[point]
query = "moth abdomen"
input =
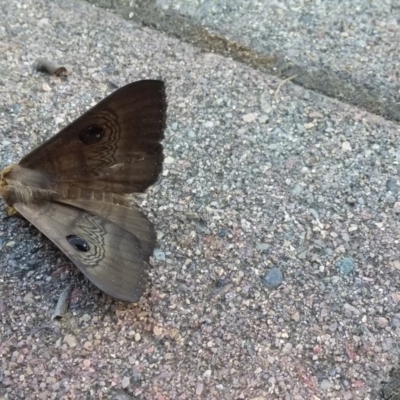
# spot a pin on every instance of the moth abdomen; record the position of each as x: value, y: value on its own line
x: 24, y: 185
x: 68, y: 191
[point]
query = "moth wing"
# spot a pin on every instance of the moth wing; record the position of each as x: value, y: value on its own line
x: 127, y: 218
x: 110, y: 257
x: 113, y: 147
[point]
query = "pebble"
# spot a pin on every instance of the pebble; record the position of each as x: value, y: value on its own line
x: 325, y: 384
x: 249, y: 117
x: 349, y: 310
x: 28, y: 299
x: 296, y: 316
x: 125, y: 382
x: 297, y: 190
x: 262, y: 247
x: 273, y: 278
x: 168, y: 160
x: 159, y: 255
x: 381, y: 322
x: 345, y: 265
x: 15, y: 108
x: 392, y: 185
x: 70, y: 340
x: 346, y: 146
x: 46, y: 87
x: 199, y: 389
x: 157, y: 331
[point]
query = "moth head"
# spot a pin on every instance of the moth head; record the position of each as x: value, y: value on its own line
x: 5, y: 188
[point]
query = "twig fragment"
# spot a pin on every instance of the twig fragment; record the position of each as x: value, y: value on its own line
x: 62, y: 304
x: 50, y: 67
x: 282, y: 83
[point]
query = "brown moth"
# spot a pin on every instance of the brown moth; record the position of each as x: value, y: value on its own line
x: 74, y: 187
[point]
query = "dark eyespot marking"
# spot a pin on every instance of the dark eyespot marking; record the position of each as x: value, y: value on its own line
x: 77, y: 243
x: 92, y: 134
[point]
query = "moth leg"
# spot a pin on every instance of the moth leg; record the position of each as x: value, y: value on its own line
x: 12, y: 212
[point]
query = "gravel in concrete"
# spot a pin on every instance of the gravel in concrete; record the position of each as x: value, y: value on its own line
x: 255, y: 178
x: 347, y: 50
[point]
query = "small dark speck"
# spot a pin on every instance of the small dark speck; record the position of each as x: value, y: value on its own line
x: 223, y: 232
x: 392, y: 185
x: 221, y: 282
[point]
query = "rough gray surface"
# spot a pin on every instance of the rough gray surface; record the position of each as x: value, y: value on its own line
x: 253, y: 179
x: 357, y: 37
x: 347, y: 50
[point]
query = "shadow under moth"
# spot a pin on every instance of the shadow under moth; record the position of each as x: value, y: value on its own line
x: 74, y: 187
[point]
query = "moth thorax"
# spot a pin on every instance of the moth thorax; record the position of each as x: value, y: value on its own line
x: 24, y: 185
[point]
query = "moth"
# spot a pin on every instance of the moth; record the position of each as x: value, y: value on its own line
x: 74, y: 187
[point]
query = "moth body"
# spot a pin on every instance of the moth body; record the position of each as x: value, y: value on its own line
x: 24, y: 185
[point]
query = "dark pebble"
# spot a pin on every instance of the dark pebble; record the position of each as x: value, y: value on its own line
x: 273, y: 278
x: 392, y: 186
x: 223, y: 232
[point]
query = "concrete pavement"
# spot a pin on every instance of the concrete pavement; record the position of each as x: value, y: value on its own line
x: 277, y: 269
